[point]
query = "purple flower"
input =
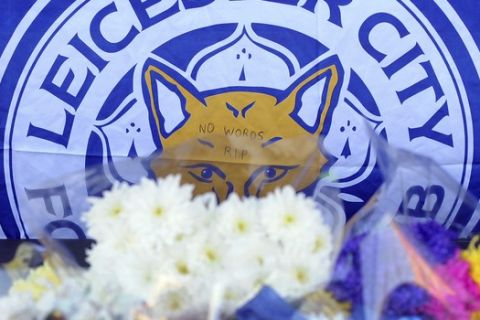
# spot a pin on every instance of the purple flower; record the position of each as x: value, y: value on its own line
x: 346, y: 282
x: 406, y: 300
x: 435, y: 243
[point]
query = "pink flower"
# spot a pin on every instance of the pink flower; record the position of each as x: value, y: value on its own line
x: 466, y: 299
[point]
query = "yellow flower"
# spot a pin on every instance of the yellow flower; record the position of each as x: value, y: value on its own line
x: 472, y: 256
x: 324, y: 302
x: 39, y: 280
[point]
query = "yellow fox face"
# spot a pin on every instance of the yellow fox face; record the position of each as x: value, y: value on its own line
x: 241, y: 140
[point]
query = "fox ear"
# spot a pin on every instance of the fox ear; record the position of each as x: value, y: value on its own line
x: 169, y: 96
x: 313, y: 96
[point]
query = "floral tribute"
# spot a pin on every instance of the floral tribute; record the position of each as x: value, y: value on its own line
x: 445, y: 280
x: 160, y: 252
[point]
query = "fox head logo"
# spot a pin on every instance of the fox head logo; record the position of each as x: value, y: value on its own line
x: 242, y: 139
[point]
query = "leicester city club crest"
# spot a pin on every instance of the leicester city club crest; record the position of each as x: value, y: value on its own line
x: 236, y: 96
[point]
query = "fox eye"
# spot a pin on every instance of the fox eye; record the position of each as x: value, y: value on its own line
x: 270, y: 172
x: 274, y: 173
x: 205, y: 172
x: 263, y: 176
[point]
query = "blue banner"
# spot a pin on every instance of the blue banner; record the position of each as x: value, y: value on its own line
x: 101, y: 84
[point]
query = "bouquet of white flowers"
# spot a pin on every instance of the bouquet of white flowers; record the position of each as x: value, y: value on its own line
x: 161, y: 252
x: 175, y: 251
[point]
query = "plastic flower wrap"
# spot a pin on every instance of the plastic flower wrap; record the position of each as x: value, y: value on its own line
x: 205, y: 240
x: 406, y: 270
x: 52, y: 287
x: 397, y: 264
x: 167, y: 249
x: 162, y: 252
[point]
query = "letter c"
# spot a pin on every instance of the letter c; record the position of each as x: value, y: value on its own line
x: 372, y: 22
x: 98, y: 37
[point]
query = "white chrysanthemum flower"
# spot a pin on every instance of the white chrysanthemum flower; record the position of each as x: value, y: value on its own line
x: 251, y: 258
x: 161, y: 210
x: 181, y: 259
x: 138, y: 275
x: 235, y: 296
x: 287, y: 215
x: 100, y: 258
x: 200, y: 292
x: 236, y: 218
x: 210, y: 252
x: 320, y: 241
x: 116, y: 276
x: 174, y: 304
x: 317, y: 243
x: 255, y: 251
x: 201, y: 215
x: 297, y: 277
x: 107, y: 213
x: 128, y: 238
